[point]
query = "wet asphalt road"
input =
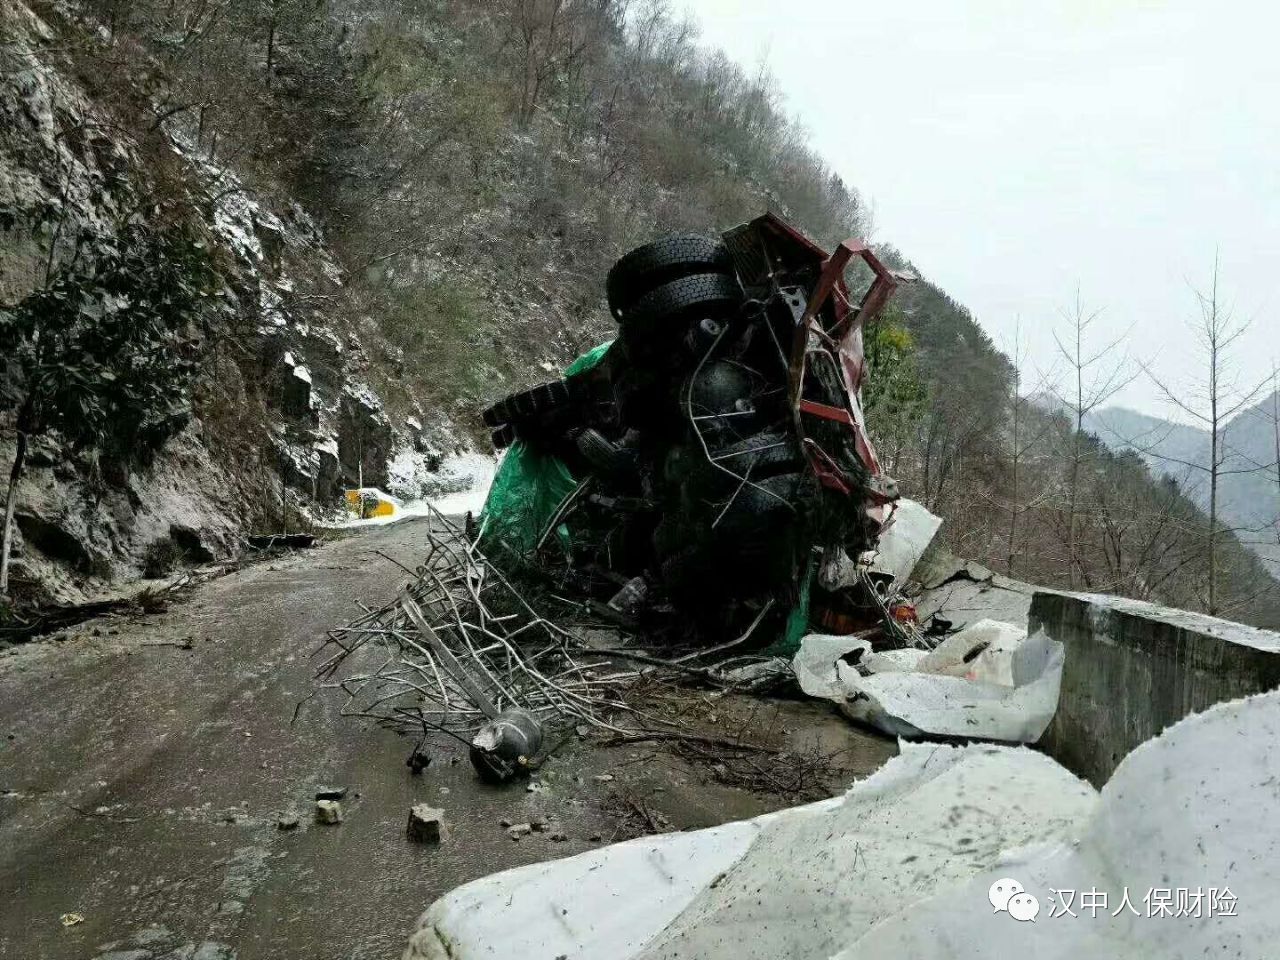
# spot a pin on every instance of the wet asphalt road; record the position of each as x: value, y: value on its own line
x: 141, y: 783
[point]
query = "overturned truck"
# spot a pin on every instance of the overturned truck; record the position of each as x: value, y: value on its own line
x: 714, y: 456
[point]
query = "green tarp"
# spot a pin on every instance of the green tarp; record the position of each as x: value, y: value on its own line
x: 797, y: 621
x: 588, y: 360
x: 529, y: 486
x: 526, y: 491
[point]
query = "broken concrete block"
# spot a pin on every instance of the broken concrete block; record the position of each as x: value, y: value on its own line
x: 910, y: 531
x: 518, y: 830
x: 288, y: 822
x: 426, y: 824
x: 328, y: 811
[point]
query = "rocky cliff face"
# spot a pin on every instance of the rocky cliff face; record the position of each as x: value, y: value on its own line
x: 284, y: 416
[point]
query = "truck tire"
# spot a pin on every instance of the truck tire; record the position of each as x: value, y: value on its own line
x: 760, y: 511
x: 765, y: 455
x: 495, y: 415
x: 504, y: 436
x: 531, y: 406
x: 727, y: 391
x: 675, y: 533
x: 662, y: 316
x: 606, y: 457
x: 660, y: 262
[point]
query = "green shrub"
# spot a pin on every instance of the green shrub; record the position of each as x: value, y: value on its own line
x: 160, y: 557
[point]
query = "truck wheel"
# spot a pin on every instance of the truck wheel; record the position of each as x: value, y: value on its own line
x: 726, y: 392
x: 605, y: 456
x: 675, y: 533
x: 662, y: 316
x: 504, y: 436
x: 759, y: 512
x: 765, y: 455
x: 542, y: 404
x: 660, y: 262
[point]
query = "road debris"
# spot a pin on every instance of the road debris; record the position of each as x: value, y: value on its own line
x: 988, y: 681
x: 328, y: 811
x: 418, y: 761
x: 459, y: 646
x: 426, y: 824
x: 750, y: 888
x: 71, y: 919
x: 504, y: 747
x: 288, y: 822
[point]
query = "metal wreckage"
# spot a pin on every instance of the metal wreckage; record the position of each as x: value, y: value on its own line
x: 707, y: 474
x: 713, y: 458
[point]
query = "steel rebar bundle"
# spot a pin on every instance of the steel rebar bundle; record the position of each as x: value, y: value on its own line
x: 458, y: 645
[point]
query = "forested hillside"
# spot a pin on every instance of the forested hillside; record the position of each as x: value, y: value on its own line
x: 1033, y: 496
x: 474, y: 169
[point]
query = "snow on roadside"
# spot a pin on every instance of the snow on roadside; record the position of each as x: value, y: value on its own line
x: 477, y: 471
x: 459, y: 484
x: 453, y: 485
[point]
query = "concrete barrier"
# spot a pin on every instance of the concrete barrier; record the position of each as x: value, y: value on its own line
x: 1133, y: 668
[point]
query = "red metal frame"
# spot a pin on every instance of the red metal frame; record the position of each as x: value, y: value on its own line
x: 842, y: 342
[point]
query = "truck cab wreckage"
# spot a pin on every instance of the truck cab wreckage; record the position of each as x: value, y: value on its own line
x: 715, y: 455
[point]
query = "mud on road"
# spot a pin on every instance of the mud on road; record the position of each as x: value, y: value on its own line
x: 145, y: 765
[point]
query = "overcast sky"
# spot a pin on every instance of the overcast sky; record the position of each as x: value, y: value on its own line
x: 1017, y: 149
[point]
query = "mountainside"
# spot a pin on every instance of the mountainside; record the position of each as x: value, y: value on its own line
x: 410, y: 208
x: 281, y: 416
x: 1249, y: 488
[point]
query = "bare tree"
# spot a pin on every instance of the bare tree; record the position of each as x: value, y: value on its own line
x: 1096, y: 375
x: 1275, y: 427
x: 553, y: 38
x: 1026, y: 432
x: 1212, y: 401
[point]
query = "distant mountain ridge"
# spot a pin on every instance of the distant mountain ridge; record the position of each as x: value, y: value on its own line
x: 1248, y: 492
